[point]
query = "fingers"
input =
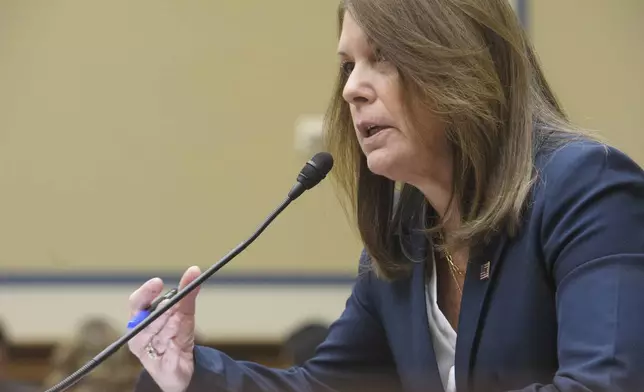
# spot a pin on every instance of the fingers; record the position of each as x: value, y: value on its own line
x: 172, y: 361
x: 145, y: 294
x: 169, y: 331
x: 158, y: 326
x: 168, y: 325
x: 187, y: 305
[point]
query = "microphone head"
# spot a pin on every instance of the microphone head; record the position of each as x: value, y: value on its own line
x: 314, y: 171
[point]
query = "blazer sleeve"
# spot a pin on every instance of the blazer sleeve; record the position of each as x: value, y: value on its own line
x: 355, y: 356
x: 593, y: 242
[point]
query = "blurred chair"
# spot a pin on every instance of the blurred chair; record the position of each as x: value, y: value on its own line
x: 116, y: 374
x: 7, y: 385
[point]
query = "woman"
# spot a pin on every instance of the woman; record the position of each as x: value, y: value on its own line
x: 512, y: 258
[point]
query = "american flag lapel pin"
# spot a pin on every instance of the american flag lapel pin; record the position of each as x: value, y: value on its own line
x: 485, y: 271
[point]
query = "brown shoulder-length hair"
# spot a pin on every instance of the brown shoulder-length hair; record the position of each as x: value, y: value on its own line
x: 470, y: 63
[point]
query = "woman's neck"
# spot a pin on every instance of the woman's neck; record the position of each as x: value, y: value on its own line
x: 438, y: 192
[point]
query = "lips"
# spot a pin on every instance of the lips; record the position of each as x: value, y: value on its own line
x: 375, y: 129
x: 368, y: 129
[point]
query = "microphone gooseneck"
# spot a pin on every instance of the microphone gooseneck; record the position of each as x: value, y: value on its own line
x: 311, y: 174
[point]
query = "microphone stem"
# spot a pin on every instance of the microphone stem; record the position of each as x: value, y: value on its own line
x: 114, y: 347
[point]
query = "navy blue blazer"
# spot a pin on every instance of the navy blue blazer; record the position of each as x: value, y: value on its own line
x: 561, y: 309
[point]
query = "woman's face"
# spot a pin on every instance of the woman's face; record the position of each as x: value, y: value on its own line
x: 374, y: 93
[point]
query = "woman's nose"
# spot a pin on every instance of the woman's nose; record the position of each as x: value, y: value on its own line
x: 358, y: 90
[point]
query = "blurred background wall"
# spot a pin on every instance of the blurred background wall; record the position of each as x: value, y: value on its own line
x: 593, y: 54
x: 138, y: 138
x: 146, y: 136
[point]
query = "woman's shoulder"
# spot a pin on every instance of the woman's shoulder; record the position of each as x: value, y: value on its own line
x: 584, y: 164
x: 587, y: 187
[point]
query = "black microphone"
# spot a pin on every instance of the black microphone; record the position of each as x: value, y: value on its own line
x: 311, y: 174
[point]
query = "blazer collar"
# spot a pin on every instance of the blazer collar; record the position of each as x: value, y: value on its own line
x: 483, y: 266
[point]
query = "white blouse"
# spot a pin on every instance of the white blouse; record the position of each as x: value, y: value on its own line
x: 443, y: 335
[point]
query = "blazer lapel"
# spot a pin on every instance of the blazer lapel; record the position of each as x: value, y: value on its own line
x: 478, y: 279
x: 427, y: 376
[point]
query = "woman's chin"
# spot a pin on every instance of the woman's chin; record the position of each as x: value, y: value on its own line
x: 380, y: 163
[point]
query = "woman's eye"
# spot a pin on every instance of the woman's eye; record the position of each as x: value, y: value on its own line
x: 347, y: 67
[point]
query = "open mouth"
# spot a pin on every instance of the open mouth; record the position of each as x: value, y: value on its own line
x: 372, y: 130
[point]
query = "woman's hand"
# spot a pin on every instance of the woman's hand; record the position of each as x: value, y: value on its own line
x: 165, y: 347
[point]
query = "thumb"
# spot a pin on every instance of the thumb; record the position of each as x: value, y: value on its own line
x: 187, y: 305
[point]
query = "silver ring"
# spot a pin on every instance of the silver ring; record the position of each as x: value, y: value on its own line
x: 151, y: 351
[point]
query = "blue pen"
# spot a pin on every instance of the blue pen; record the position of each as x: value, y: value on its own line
x: 143, y: 314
